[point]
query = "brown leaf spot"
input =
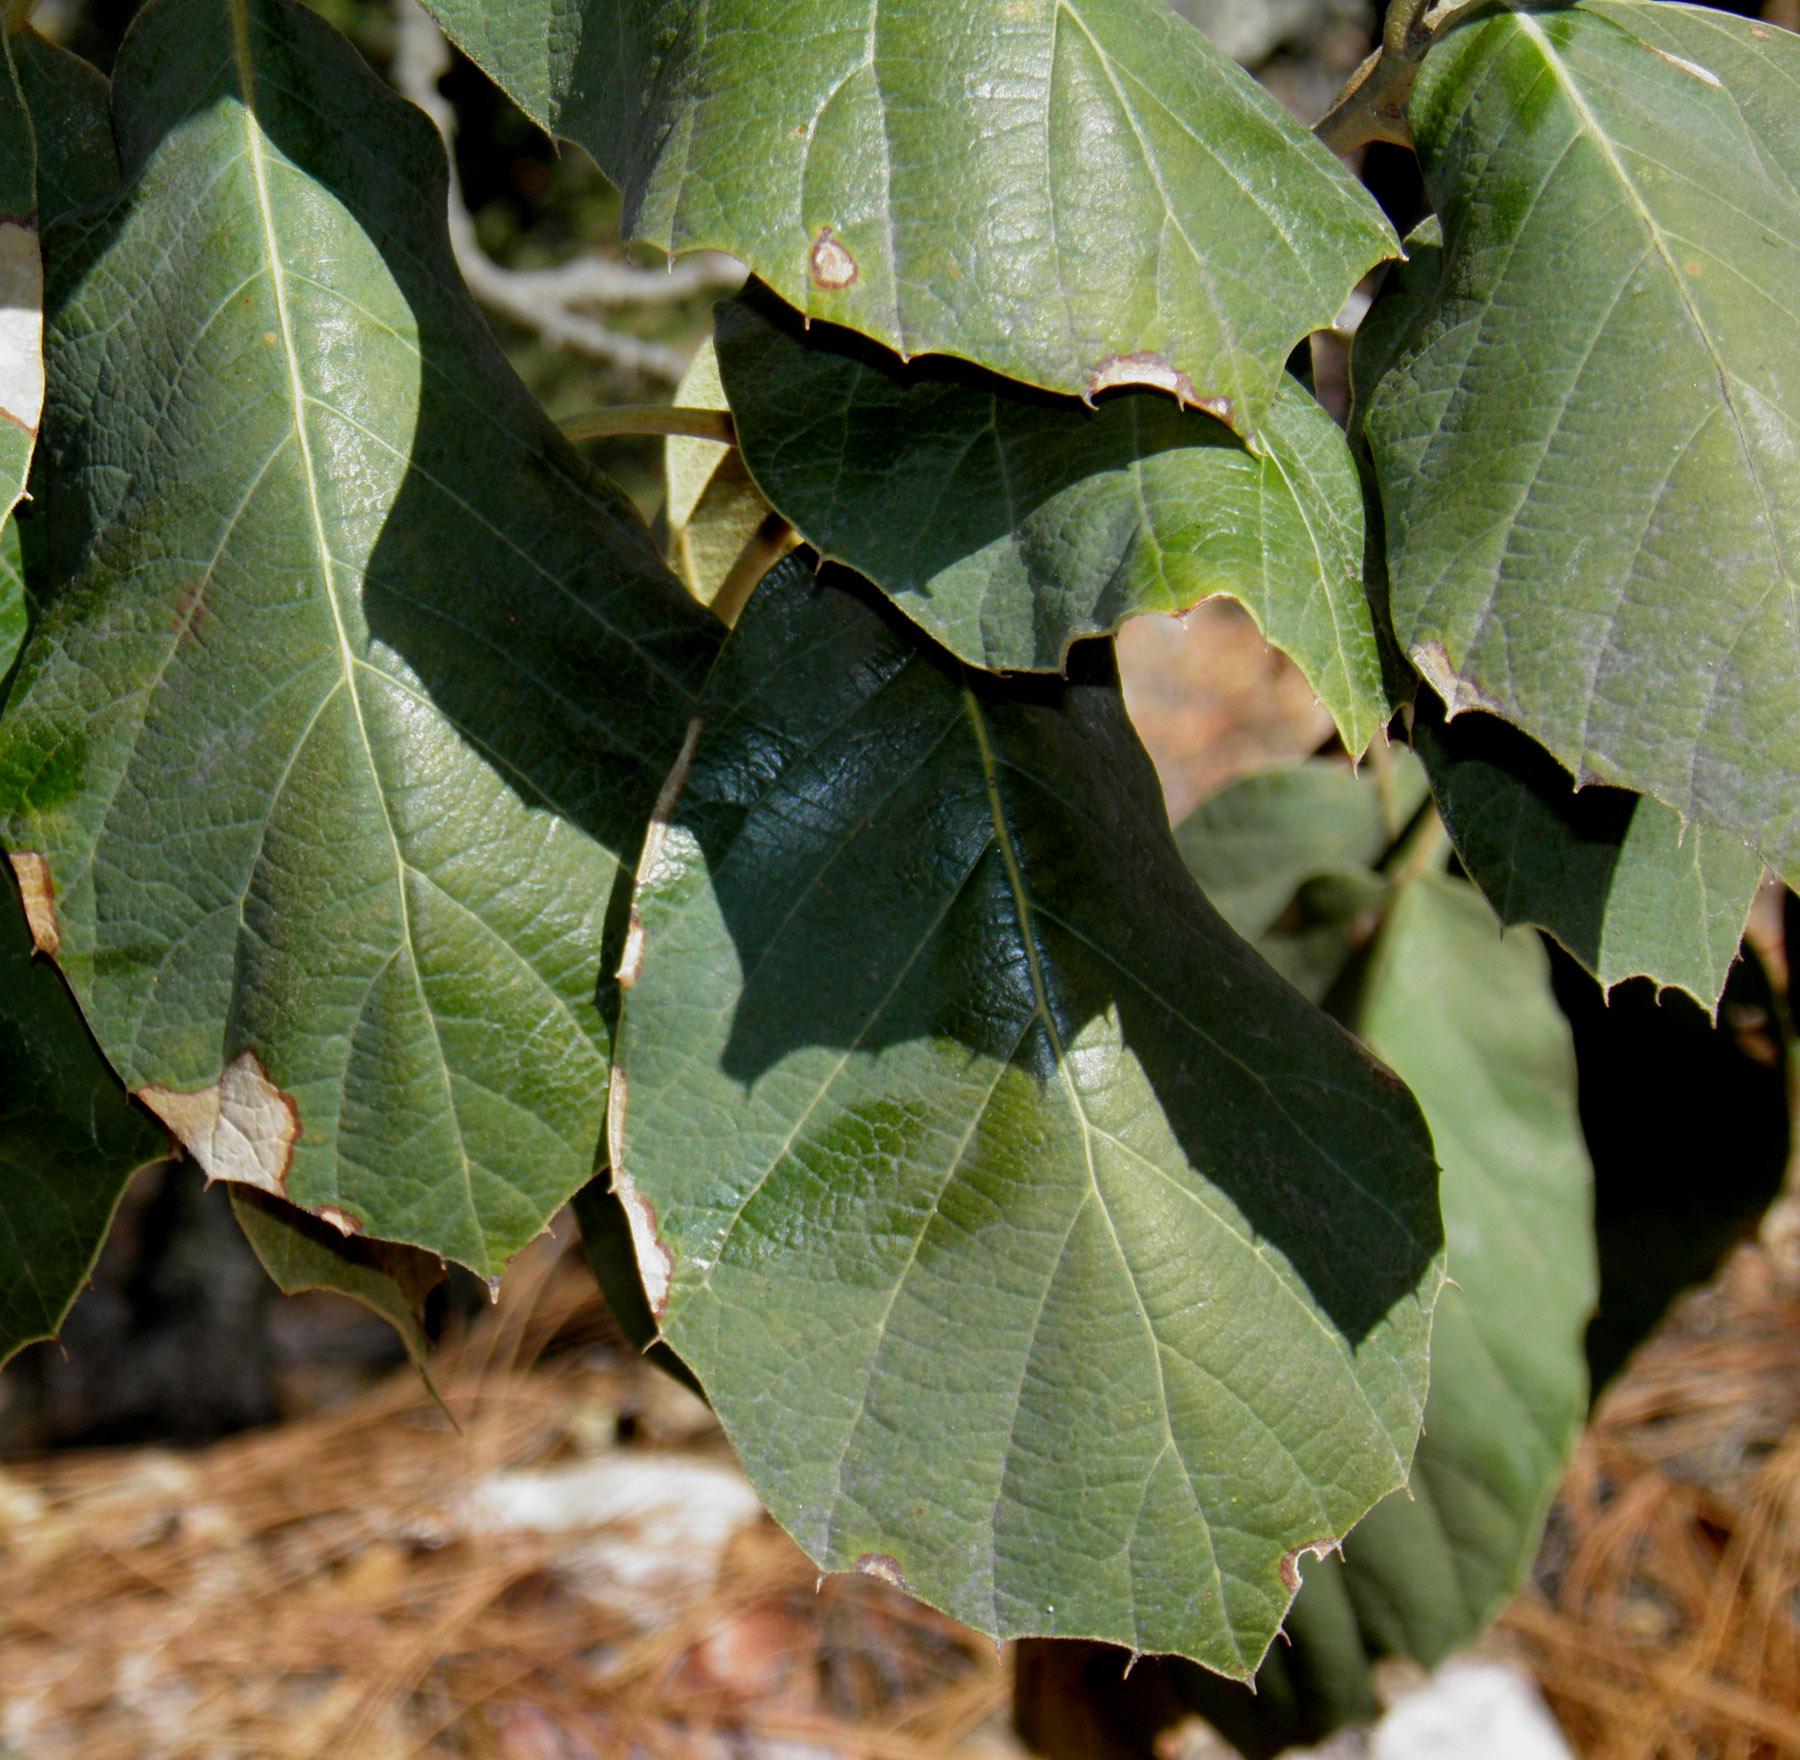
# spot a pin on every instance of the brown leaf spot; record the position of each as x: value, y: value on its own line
x: 38, y: 891
x: 831, y: 265
x: 655, y: 1263
x: 341, y: 1220
x: 242, y: 1128
x: 21, y: 326
x: 1460, y: 694
x: 1147, y: 367
x: 1290, y: 1564
x: 883, y: 1567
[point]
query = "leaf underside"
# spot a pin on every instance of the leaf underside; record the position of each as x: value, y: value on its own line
x: 1036, y: 1245
x: 1586, y: 444
x: 1071, y: 192
x: 356, y: 683
x: 1010, y: 524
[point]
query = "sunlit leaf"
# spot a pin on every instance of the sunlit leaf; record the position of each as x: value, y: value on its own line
x: 1037, y: 1246
x: 1073, y: 192
x: 1586, y: 442
x: 353, y: 683
x: 1010, y: 524
x: 1468, y: 1019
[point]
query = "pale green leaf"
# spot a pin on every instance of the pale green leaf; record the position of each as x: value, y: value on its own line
x: 354, y: 682
x: 1610, y: 874
x: 713, y: 509
x: 1587, y: 442
x: 1010, y: 524
x: 1254, y: 844
x: 1073, y: 192
x: 1037, y: 1246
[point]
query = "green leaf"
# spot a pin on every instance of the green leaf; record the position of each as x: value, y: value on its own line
x: 70, y: 1141
x: 71, y: 114
x: 300, y: 1252
x: 1037, y: 1246
x: 1610, y: 874
x: 353, y: 682
x: 1254, y: 844
x: 12, y: 598
x: 1010, y: 524
x: 1586, y: 444
x: 1468, y: 1019
x: 1075, y: 193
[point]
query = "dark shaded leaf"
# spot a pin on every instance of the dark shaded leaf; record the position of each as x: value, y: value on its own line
x: 1010, y: 524
x: 1608, y: 873
x: 69, y: 1139
x: 300, y: 1253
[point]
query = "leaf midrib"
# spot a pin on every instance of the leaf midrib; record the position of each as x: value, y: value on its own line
x: 1592, y: 126
x: 238, y: 12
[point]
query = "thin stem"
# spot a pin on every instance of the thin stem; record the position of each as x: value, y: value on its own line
x: 653, y: 418
x: 772, y: 540
x: 1372, y: 107
x: 1426, y: 847
x: 1403, y: 30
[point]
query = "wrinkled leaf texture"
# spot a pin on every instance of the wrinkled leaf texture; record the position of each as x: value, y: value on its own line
x: 1010, y: 524
x: 1037, y: 1246
x: 1588, y: 444
x: 354, y: 682
x: 1062, y: 190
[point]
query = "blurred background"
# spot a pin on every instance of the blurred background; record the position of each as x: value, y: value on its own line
x: 233, y: 1524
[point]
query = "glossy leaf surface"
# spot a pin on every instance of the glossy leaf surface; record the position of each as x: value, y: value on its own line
x: 1010, y: 524
x: 1586, y: 444
x: 69, y: 1139
x: 354, y: 682
x: 1608, y: 873
x: 1072, y: 192
x: 1037, y: 1246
